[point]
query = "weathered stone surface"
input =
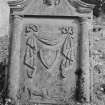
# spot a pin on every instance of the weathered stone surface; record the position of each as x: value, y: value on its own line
x: 48, y: 51
x: 4, y: 18
x: 44, y: 62
x: 48, y: 64
x: 4, y: 43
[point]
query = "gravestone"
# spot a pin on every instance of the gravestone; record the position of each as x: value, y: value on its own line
x: 49, y: 62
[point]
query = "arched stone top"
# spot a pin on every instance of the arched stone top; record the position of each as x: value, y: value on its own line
x: 50, y: 7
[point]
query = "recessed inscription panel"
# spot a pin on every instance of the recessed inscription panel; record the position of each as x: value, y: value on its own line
x: 49, y: 54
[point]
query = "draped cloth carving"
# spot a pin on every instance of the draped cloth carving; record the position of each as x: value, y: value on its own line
x: 30, y: 55
x: 49, y: 54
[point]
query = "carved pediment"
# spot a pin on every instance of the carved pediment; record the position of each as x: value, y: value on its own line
x: 81, y: 6
x: 50, y: 7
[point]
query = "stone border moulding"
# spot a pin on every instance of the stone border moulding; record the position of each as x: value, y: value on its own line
x: 82, y: 9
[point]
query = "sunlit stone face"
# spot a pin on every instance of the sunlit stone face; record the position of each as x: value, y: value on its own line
x: 4, y: 17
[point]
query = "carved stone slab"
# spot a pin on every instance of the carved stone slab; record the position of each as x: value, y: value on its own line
x: 50, y: 54
x: 48, y: 61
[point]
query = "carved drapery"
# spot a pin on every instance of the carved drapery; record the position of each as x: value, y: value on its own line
x: 55, y: 57
x: 43, y: 57
x: 46, y: 53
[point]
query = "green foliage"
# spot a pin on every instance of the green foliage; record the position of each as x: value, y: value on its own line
x: 99, y: 8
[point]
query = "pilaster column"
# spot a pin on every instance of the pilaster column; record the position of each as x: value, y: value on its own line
x: 14, y: 69
x: 84, y: 72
